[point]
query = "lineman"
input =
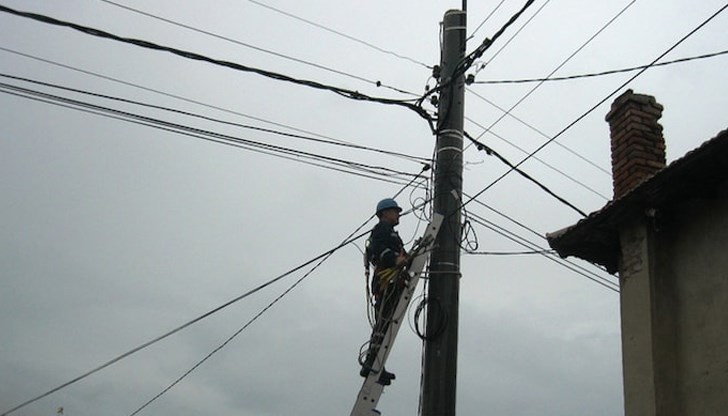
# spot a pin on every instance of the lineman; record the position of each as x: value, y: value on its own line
x: 386, y: 252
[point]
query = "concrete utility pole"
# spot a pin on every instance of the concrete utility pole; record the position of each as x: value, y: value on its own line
x: 440, y: 372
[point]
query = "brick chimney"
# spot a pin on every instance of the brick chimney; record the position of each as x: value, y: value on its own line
x: 638, y: 148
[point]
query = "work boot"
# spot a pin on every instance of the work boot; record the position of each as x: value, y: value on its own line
x: 385, y: 378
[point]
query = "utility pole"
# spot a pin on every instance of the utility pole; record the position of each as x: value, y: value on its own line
x: 440, y: 370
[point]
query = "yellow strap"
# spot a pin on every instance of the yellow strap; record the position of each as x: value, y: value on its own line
x: 386, y: 276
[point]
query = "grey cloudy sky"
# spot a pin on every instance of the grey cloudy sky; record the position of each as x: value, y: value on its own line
x: 113, y: 233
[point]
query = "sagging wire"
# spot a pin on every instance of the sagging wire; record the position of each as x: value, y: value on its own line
x: 322, y: 259
x: 419, y: 206
x: 422, y: 306
x: 482, y: 147
x: 469, y: 241
x: 346, y: 93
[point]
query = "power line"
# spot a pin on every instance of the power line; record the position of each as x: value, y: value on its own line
x: 339, y: 165
x: 234, y: 335
x: 543, y: 162
x: 598, y: 74
x: 183, y: 326
x: 259, y: 147
x: 189, y: 100
x: 216, y: 120
x: 507, y: 217
x: 509, y: 253
x: 579, y: 49
x: 546, y: 253
x: 551, y: 139
x: 595, y: 106
x: 513, y: 36
x: 485, y: 20
x: 343, y: 35
x: 469, y: 59
x: 539, y: 132
x: 259, y: 49
x: 265, y: 309
x: 492, y: 152
x: 523, y: 226
x: 353, y: 95
x: 533, y: 247
x: 226, y: 342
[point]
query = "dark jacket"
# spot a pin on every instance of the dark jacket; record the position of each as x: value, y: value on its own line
x: 384, y: 246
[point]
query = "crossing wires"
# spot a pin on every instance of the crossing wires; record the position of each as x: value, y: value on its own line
x: 376, y: 83
x: 350, y: 94
x: 183, y: 326
x: 599, y: 103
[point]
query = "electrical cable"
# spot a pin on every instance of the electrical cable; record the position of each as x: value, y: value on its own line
x: 532, y: 128
x: 595, y: 106
x: 569, y: 264
x: 468, y: 60
x: 509, y: 111
x: 539, y: 235
x: 510, y: 253
x: 485, y: 20
x: 417, y: 207
x: 189, y: 100
x: 420, y: 160
x: 218, y: 137
x: 468, y: 236
x: 343, y: 35
x: 183, y: 326
x: 543, y: 162
x: 353, y: 95
x: 509, y: 218
x: 482, y: 147
x: 228, y: 340
x: 440, y: 313
x: 602, y: 73
x: 573, y: 54
x: 259, y: 49
x: 541, y: 80
x: 231, y: 141
x: 349, y: 239
x: 346, y: 240
x: 510, y: 39
x: 602, y: 281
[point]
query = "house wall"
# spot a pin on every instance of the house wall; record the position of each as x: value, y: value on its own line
x: 674, y: 305
x: 692, y: 280
x: 648, y: 312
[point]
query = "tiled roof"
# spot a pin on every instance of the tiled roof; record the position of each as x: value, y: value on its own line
x: 596, y: 237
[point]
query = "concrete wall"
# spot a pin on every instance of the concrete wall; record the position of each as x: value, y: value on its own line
x: 674, y: 305
x: 692, y: 260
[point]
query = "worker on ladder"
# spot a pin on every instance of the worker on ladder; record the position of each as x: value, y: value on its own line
x: 385, y: 251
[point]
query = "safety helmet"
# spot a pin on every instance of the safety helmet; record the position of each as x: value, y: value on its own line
x: 387, y: 203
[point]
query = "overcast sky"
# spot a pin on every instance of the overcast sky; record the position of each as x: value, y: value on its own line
x: 113, y: 233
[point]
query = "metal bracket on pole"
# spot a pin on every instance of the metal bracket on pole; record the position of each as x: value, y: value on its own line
x: 371, y: 390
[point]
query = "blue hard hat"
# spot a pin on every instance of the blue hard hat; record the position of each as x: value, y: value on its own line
x: 387, y: 203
